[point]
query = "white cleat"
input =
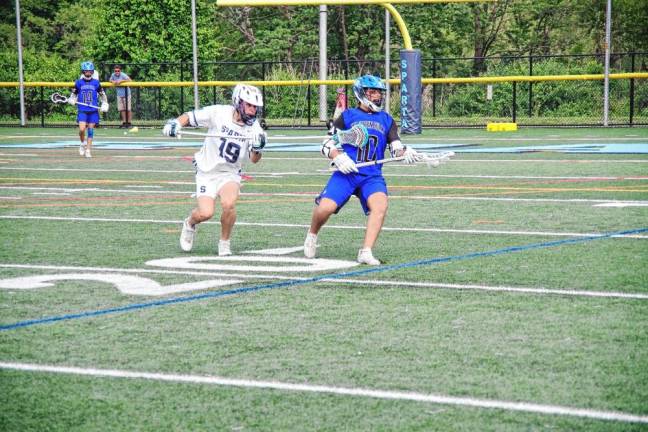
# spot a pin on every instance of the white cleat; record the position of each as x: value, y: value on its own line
x: 82, y: 148
x: 310, y: 245
x: 187, y: 236
x: 366, y: 257
x: 87, y: 153
x: 224, y: 248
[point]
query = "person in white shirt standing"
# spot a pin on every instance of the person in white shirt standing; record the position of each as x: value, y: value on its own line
x: 235, y: 136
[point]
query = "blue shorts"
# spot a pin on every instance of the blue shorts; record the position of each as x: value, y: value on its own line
x: 340, y: 187
x: 88, y: 117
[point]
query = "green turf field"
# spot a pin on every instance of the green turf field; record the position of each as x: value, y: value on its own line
x: 513, y: 295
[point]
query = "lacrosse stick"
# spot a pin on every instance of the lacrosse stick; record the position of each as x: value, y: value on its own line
x: 431, y: 160
x: 58, y: 98
x: 202, y: 134
x: 357, y: 136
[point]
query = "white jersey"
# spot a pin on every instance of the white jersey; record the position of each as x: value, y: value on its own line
x: 222, y: 154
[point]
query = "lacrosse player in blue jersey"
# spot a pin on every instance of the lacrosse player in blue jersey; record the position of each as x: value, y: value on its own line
x: 366, y: 183
x: 85, y: 95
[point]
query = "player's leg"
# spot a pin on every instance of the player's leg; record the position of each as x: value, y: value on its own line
x: 82, y: 133
x: 336, y: 193
x: 377, y: 204
x: 321, y: 214
x: 373, y: 198
x: 204, y: 210
x: 90, y: 139
x: 229, y: 194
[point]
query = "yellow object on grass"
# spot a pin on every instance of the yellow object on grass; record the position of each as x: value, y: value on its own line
x: 501, y: 127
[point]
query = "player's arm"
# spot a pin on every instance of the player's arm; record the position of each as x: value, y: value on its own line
x: 257, y: 143
x: 74, y: 92
x: 172, y: 127
x: 331, y: 151
x: 329, y: 145
x: 255, y: 156
x: 398, y: 149
x: 104, y: 99
x: 194, y: 118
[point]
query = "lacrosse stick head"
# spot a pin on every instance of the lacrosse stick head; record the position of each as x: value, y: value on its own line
x: 375, y: 100
x: 357, y: 136
x: 58, y: 98
x: 433, y: 160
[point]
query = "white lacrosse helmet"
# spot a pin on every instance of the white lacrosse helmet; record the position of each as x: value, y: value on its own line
x: 249, y: 94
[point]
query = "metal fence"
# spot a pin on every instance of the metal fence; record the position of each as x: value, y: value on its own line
x: 551, y: 103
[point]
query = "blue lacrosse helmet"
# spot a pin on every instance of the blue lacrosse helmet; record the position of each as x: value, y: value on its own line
x: 88, y: 65
x: 369, y: 82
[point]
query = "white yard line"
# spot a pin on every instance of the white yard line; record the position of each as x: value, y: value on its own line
x: 246, y: 275
x: 622, y: 204
x: 320, y: 159
x: 347, y: 227
x: 527, y: 407
x: 314, y: 194
x: 327, y: 173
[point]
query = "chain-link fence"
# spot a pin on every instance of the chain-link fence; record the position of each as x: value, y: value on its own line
x: 547, y: 103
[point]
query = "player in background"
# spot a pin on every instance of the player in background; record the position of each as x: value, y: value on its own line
x: 218, y: 163
x: 367, y: 183
x: 87, y: 91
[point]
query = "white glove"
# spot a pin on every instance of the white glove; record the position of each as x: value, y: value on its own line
x: 104, y: 107
x: 72, y: 100
x: 172, y: 128
x: 411, y: 156
x: 344, y: 163
x: 259, y: 142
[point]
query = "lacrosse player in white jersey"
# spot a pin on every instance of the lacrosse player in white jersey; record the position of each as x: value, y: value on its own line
x: 236, y: 137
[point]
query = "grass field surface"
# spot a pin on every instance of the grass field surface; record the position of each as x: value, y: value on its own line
x: 513, y: 293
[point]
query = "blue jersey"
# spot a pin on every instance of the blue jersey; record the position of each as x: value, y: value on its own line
x: 88, y: 93
x: 378, y: 125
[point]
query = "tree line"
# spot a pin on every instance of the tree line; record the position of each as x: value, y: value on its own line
x: 59, y: 34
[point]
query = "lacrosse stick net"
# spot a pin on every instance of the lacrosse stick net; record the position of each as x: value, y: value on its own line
x: 357, y: 136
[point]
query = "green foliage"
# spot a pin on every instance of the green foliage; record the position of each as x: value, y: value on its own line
x: 551, y: 98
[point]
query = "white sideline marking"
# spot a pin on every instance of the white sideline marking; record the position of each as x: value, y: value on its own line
x: 342, y: 391
x: 314, y: 194
x: 622, y: 204
x: 246, y: 275
x: 347, y: 227
x: 51, y: 193
x: 327, y: 172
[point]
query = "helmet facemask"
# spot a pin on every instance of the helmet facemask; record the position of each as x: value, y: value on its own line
x: 374, y: 105
x: 245, y: 93
x: 370, y: 82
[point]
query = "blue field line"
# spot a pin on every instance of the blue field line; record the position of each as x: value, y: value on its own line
x: 295, y: 282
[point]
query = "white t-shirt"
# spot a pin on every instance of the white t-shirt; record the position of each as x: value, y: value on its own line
x: 224, y: 154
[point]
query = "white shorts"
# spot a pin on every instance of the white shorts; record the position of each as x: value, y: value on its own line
x: 210, y: 184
